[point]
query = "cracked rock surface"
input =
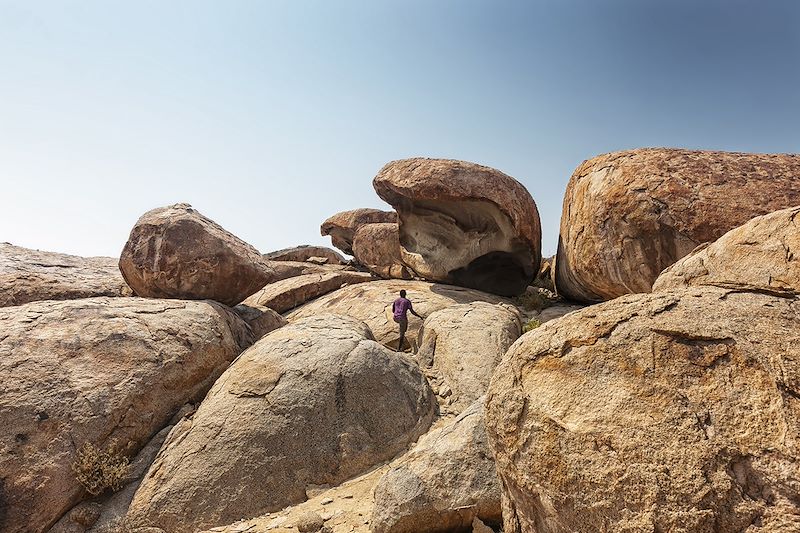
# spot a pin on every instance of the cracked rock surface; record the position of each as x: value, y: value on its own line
x: 343, y: 226
x: 757, y: 256
x: 372, y: 303
x: 629, y: 215
x: 312, y: 403
x: 633, y: 415
x: 31, y: 275
x: 443, y: 484
x: 94, y: 371
x: 175, y: 252
x: 463, y: 223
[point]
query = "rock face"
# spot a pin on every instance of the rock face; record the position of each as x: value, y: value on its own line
x: 30, y: 275
x: 629, y: 215
x: 633, y: 415
x: 463, y: 224
x: 175, y: 252
x: 289, y: 293
x: 261, y: 320
x: 464, y: 343
x: 314, y: 402
x: 306, y: 252
x: 342, y: 226
x: 94, y: 371
x: 757, y: 256
x: 372, y: 304
x: 377, y: 247
x: 443, y: 484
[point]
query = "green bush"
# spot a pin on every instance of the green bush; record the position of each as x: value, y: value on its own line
x: 97, y: 469
x: 531, y: 324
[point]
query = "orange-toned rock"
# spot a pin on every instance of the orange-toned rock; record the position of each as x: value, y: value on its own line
x: 286, y: 294
x: 629, y: 215
x: 342, y: 226
x: 32, y: 275
x: 463, y: 223
x: 757, y: 256
x: 377, y: 247
x: 175, y: 252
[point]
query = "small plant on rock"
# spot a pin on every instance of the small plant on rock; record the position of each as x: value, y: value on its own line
x: 531, y: 324
x: 100, y: 469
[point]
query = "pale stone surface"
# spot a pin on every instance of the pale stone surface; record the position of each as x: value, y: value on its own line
x: 464, y: 343
x: 343, y: 226
x: 463, y: 223
x: 377, y: 247
x: 636, y: 415
x: 285, y: 295
x: 629, y: 215
x: 96, y: 370
x: 757, y: 256
x: 306, y: 252
x: 31, y: 275
x: 372, y: 303
x: 260, y: 319
x: 317, y: 399
x: 175, y: 252
x: 444, y: 483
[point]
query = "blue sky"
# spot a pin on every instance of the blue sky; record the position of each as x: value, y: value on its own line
x: 270, y: 116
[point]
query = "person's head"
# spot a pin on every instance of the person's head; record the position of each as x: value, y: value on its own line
x: 402, y: 294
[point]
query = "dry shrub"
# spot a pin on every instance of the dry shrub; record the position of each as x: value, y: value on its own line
x: 531, y: 325
x: 97, y: 469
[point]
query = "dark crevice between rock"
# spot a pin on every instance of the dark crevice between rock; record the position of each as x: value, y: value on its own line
x: 500, y: 273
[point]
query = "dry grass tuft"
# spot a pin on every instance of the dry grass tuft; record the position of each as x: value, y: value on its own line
x: 97, y: 469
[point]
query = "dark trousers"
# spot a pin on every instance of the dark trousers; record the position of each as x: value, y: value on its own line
x: 403, y: 322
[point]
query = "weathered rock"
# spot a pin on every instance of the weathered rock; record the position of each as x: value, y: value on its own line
x: 95, y: 370
x: 306, y: 252
x: 445, y: 482
x: 30, y: 275
x: 758, y: 256
x: 464, y: 343
x: 175, y: 252
x: 372, y: 304
x: 289, y: 293
x: 377, y: 247
x: 261, y: 319
x: 463, y: 223
x: 629, y: 215
x: 318, y: 400
x: 633, y: 415
x: 342, y: 226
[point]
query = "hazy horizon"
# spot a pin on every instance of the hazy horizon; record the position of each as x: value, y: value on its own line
x: 268, y: 117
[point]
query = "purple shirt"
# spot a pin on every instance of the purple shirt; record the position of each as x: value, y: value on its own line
x: 400, y: 307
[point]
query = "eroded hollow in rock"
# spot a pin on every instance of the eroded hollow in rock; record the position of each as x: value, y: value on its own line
x: 467, y: 242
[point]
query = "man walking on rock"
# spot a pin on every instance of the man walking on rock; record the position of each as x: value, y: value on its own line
x: 400, y: 307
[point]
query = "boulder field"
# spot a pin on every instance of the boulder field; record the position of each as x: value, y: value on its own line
x: 263, y: 392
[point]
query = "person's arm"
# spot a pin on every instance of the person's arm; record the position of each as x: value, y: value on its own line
x: 411, y: 308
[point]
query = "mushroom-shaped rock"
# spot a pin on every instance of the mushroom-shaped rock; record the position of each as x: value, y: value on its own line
x: 96, y: 371
x: 342, y: 226
x: 372, y: 303
x: 443, y: 484
x: 314, y: 402
x: 305, y: 252
x: 377, y: 247
x: 289, y: 293
x: 464, y: 343
x: 175, y: 252
x: 633, y: 415
x: 31, y: 275
x: 758, y: 256
x: 629, y: 215
x: 463, y: 223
